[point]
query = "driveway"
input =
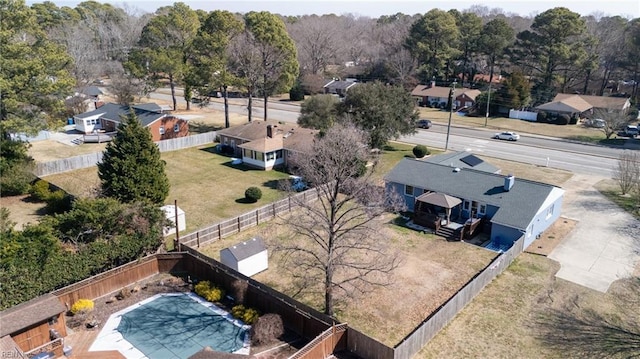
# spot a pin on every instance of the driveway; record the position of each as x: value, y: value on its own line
x: 605, y: 244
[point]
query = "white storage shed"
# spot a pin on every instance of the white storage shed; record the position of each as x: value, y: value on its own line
x: 170, y: 213
x: 249, y: 257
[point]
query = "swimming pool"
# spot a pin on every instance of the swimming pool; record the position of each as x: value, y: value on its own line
x: 168, y: 326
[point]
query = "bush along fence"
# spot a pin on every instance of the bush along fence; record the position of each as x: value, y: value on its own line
x: 247, y: 220
x: 92, y: 159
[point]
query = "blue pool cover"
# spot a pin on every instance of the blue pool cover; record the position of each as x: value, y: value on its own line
x: 177, y: 326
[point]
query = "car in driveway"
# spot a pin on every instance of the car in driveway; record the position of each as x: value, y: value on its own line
x: 426, y: 124
x: 509, y: 136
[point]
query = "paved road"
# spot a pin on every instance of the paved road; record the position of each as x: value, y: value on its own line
x: 538, y: 150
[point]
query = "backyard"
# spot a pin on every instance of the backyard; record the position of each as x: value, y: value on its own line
x: 205, y: 184
x: 432, y: 270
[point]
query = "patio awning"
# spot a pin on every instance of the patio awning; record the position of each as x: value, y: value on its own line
x: 439, y: 199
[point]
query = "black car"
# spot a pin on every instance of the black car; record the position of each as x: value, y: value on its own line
x: 424, y: 123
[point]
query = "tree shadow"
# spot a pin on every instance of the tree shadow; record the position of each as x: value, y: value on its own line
x: 212, y: 149
x: 245, y: 200
x: 201, y: 127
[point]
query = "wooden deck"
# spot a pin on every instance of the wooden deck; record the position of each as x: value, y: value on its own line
x: 80, y: 342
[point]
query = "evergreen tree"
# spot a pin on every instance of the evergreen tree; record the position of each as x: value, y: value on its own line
x: 131, y: 169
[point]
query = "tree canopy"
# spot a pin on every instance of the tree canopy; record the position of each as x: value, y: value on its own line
x: 131, y: 169
x: 319, y: 112
x: 385, y: 112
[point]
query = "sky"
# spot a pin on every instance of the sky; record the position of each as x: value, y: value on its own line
x: 376, y: 8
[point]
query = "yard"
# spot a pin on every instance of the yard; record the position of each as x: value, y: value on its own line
x: 506, y: 320
x: 207, y: 187
x: 575, y: 132
x: 431, y: 271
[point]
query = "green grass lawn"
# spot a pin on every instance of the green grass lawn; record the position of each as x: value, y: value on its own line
x: 207, y: 187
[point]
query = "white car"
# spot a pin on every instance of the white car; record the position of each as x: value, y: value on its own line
x: 509, y: 136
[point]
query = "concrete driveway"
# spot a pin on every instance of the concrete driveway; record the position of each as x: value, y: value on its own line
x: 604, y: 246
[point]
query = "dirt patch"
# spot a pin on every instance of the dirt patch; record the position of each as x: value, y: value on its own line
x: 554, y: 176
x: 23, y: 210
x: 552, y: 236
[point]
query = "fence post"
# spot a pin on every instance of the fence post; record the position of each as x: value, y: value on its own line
x: 257, y: 217
x: 198, y: 239
x: 219, y: 230
x: 239, y: 229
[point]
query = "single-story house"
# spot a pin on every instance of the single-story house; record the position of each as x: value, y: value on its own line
x: 463, y: 159
x: 107, y: 118
x: 38, y: 323
x: 583, y: 105
x: 249, y: 257
x: 510, y: 207
x: 339, y: 87
x: 266, y: 144
x: 438, y: 96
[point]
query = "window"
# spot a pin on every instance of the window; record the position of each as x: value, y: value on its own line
x: 278, y: 154
x: 465, y: 206
x: 226, y: 140
x: 162, y: 130
x: 271, y: 156
x: 483, y: 209
x: 408, y: 190
x: 176, y: 128
x: 246, y: 153
x: 260, y: 156
x: 550, y: 211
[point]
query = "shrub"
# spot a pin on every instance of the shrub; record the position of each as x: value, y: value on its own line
x: 267, y: 329
x: 253, y: 194
x: 58, y: 202
x: 562, y: 120
x: 82, y: 306
x: 420, y: 151
x: 247, y: 315
x: 209, y: 291
x: 296, y: 93
x: 40, y: 190
x: 542, y: 117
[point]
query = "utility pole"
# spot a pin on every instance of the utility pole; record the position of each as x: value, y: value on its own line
x: 452, y: 97
x: 486, y: 117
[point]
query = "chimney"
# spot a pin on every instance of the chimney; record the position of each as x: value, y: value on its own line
x: 508, y: 182
x: 269, y: 131
x: 433, y: 83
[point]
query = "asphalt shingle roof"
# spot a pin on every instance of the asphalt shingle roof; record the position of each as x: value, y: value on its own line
x: 517, y: 207
x: 247, y: 249
x: 146, y: 113
x: 29, y: 313
x: 454, y: 159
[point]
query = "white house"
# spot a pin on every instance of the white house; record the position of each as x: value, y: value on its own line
x: 249, y: 257
x: 170, y: 214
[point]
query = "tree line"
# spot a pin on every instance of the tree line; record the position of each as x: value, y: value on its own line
x: 49, y: 50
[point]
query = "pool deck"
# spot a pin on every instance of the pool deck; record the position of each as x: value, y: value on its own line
x: 80, y: 342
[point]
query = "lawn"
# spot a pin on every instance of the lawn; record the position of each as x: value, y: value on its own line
x: 610, y: 189
x: 49, y: 150
x: 504, y: 320
x: 204, y: 183
x: 575, y: 132
x: 431, y: 271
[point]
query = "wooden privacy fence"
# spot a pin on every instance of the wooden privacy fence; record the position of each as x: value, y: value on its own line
x: 109, y: 281
x: 247, y: 220
x: 298, y: 317
x: 325, y: 344
x: 413, y: 342
x: 92, y: 159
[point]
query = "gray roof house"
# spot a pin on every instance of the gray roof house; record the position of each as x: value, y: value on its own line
x: 510, y: 207
x: 463, y: 159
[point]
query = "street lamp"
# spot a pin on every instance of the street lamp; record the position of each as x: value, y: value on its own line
x: 451, y: 97
x: 486, y: 117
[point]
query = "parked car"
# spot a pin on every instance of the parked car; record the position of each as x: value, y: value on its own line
x: 297, y: 183
x: 632, y: 131
x: 509, y: 136
x: 424, y: 123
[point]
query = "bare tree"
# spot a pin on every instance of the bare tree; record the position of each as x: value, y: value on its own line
x: 627, y: 172
x: 339, y: 238
x: 245, y: 61
x: 316, y: 40
x: 612, y: 121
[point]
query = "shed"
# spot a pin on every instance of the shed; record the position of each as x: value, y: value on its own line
x: 249, y: 257
x: 170, y: 214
